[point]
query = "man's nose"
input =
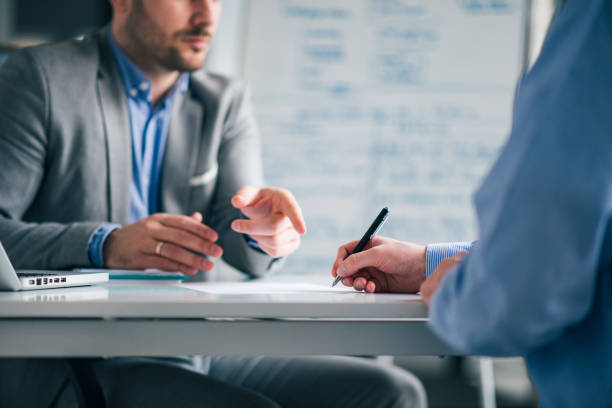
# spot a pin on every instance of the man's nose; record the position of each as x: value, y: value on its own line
x: 205, y: 12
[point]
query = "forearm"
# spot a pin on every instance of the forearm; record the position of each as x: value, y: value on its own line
x: 47, y: 245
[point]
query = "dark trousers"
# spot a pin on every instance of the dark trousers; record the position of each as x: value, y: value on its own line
x: 243, y: 382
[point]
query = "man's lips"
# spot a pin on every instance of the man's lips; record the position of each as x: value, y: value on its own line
x: 197, y: 41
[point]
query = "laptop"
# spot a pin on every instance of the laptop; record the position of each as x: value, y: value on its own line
x: 35, y: 279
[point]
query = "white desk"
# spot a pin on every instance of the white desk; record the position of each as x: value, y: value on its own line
x: 129, y: 319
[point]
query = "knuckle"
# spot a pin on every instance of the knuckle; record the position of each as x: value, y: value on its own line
x: 287, y: 193
x: 150, y: 226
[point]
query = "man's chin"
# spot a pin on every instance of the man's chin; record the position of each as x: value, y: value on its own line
x: 185, y: 63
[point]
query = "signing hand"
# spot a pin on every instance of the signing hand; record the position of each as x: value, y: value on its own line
x: 385, y: 265
x: 275, y: 219
x: 162, y: 241
x: 431, y: 284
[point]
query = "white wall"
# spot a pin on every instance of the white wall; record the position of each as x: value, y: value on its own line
x: 347, y: 144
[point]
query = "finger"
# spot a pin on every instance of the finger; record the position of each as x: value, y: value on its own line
x: 347, y: 281
x: 245, y: 196
x: 360, y: 283
x: 188, y: 240
x: 188, y: 224
x: 283, y: 251
x: 180, y: 255
x: 165, y: 264
x: 277, y: 241
x: 343, y: 252
x: 291, y: 208
x: 370, y: 287
x: 270, y: 225
x: 197, y: 216
x: 356, y: 262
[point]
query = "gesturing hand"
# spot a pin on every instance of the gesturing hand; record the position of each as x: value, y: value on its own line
x: 162, y: 241
x: 385, y: 265
x: 275, y: 219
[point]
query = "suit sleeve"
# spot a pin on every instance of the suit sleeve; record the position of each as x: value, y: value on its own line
x: 24, y: 123
x: 239, y: 165
x: 544, y: 208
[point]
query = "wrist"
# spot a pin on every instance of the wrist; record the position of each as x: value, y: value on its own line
x: 96, y: 243
x: 107, y: 248
x: 421, y: 267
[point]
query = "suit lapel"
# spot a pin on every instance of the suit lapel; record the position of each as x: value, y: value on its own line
x: 181, y: 152
x: 117, y: 131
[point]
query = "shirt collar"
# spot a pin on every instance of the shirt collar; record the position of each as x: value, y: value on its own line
x: 137, y: 85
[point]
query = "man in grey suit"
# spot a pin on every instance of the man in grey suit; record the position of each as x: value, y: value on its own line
x: 115, y: 151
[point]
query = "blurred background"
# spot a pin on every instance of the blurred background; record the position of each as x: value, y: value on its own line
x: 364, y: 104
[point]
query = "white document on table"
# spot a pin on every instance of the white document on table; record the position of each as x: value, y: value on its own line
x: 263, y: 287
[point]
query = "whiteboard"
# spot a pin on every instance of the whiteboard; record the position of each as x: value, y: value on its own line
x: 370, y: 103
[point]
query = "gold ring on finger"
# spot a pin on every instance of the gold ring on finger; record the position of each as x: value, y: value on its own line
x: 158, y: 247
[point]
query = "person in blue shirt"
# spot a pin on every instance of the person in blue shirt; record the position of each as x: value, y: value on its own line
x: 538, y: 282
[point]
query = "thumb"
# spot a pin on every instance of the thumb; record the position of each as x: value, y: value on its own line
x: 245, y: 196
x: 197, y: 216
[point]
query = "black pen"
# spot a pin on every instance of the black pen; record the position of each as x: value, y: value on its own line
x: 378, y: 222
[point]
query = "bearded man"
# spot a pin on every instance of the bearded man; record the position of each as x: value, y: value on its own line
x: 116, y: 151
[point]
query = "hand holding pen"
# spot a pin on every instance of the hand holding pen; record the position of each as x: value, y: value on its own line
x: 382, y: 265
x: 376, y: 225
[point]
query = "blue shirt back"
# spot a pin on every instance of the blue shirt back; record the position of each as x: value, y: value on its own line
x: 539, y: 281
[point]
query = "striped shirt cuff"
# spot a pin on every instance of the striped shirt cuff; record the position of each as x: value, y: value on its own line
x: 437, y: 252
x: 96, y: 244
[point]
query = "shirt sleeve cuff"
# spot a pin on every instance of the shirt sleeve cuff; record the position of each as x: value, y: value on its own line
x: 96, y: 244
x: 435, y: 253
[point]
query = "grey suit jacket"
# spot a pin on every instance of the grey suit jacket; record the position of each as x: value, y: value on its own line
x: 65, y: 154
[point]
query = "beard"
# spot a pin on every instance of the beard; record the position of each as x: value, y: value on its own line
x: 151, y: 43
x: 173, y: 59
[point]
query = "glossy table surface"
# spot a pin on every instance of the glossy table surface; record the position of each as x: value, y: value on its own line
x: 277, y: 315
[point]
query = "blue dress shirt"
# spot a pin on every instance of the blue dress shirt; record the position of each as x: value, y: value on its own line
x: 149, y: 132
x: 435, y: 253
x: 539, y: 281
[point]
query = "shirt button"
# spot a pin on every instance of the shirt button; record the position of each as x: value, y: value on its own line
x: 133, y: 92
x: 144, y: 86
